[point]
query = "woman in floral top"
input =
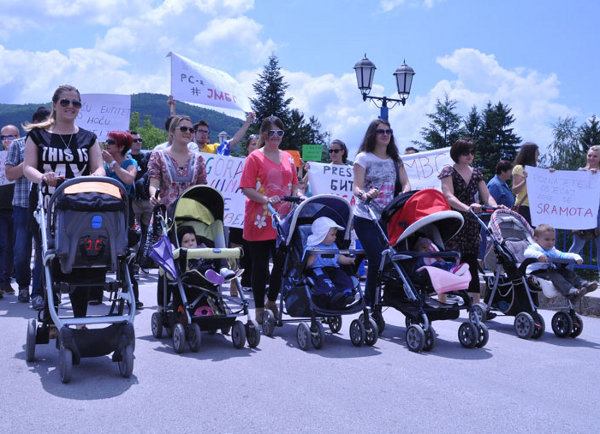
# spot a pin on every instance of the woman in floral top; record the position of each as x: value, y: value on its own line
x: 269, y: 174
x: 460, y: 183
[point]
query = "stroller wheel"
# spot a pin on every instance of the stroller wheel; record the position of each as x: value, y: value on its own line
x: 540, y: 325
x: 577, y: 325
x: 524, y: 325
x: 415, y: 338
x: 303, y: 336
x: 252, y: 334
x: 156, y: 324
x: 317, y: 335
x: 126, y: 364
x: 238, y: 334
x: 429, y: 339
x: 468, y: 335
x: 178, y: 338
x: 65, y: 364
x: 195, y: 337
x: 268, y: 325
x: 30, y: 342
x: 357, y: 332
x: 480, y: 309
x: 334, y: 323
x: 371, y: 333
x: 562, y: 324
x: 484, y: 336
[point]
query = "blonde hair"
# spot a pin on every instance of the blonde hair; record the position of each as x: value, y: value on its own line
x: 594, y: 148
x: 176, y: 120
x: 542, y: 229
x: 48, y: 123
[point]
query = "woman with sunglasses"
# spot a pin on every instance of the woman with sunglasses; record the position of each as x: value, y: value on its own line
x: 460, y: 184
x: 57, y: 148
x: 174, y: 170
x: 379, y: 175
x: 268, y: 174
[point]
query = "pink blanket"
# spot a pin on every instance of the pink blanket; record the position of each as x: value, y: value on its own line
x: 445, y: 281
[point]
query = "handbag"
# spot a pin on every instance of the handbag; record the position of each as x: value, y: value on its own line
x: 587, y: 234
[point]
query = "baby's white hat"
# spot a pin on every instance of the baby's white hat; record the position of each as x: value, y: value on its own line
x: 319, y: 229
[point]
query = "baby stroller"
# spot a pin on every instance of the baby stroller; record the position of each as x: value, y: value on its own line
x: 199, y: 303
x: 410, y: 289
x: 296, y: 299
x: 508, y: 290
x: 83, y: 235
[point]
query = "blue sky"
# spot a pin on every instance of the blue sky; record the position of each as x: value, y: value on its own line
x: 539, y: 57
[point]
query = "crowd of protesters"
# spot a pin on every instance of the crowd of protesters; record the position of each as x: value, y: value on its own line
x: 160, y: 176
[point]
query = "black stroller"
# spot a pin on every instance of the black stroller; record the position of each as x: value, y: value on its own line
x: 509, y: 291
x: 83, y: 236
x: 296, y: 299
x: 408, y: 288
x: 199, y: 304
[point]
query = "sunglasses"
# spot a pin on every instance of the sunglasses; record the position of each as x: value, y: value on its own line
x: 66, y: 102
x: 186, y: 129
x: 471, y: 152
x: 334, y: 151
x: 276, y: 133
x: 137, y: 140
x: 9, y: 137
x: 389, y: 132
x: 110, y: 142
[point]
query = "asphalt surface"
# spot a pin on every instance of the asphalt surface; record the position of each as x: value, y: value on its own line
x: 510, y: 385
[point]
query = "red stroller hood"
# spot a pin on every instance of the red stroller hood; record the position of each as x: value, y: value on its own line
x: 421, y: 204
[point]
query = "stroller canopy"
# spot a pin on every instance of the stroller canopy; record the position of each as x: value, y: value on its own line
x: 410, y: 212
x: 508, y: 224
x: 323, y: 205
x: 200, y: 202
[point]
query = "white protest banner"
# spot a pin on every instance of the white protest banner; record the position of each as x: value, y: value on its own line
x: 224, y: 173
x: 331, y: 179
x: 102, y: 113
x: 564, y: 199
x: 3, y: 180
x: 423, y: 168
x: 200, y: 84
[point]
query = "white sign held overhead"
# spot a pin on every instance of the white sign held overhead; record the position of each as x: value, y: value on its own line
x: 423, y: 168
x: 564, y: 199
x: 102, y: 113
x: 200, y: 84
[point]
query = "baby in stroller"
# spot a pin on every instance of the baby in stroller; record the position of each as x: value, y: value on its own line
x: 333, y: 288
x: 425, y: 245
x: 565, y: 280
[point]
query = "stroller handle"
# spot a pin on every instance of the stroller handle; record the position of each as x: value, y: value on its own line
x: 293, y: 199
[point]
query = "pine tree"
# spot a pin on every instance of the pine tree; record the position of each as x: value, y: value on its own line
x: 444, y: 127
x: 589, y: 133
x: 472, y: 125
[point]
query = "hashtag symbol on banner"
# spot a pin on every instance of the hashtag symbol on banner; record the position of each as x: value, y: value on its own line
x: 195, y: 91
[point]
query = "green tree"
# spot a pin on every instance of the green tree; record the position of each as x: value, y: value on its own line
x: 151, y: 135
x: 496, y: 139
x: 589, y: 133
x: 566, y: 152
x: 472, y: 125
x: 444, y: 127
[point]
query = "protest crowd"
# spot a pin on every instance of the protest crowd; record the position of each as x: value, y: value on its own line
x: 55, y: 148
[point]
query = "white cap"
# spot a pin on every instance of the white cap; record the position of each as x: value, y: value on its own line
x: 319, y: 229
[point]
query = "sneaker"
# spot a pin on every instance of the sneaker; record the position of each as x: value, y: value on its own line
x: 37, y: 303
x: 589, y: 287
x: 247, y: 289
x: 461, y: 269
x: 139, y: 305
x: 226, y: 273
x: 6, y: 288
x: 272, y: 306
x: 23, y: 295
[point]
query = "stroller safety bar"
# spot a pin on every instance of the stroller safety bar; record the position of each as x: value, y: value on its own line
x: 211, y: 253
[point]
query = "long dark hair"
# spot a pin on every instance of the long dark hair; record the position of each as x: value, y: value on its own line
x: 370, y: 140
x: 342, y: 145
x: 526, y: 155
x: 265, y: 126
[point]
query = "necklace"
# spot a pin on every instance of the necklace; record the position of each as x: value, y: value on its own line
x: 67, y: 145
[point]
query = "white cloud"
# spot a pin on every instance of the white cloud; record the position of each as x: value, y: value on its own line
x: 388, y: 5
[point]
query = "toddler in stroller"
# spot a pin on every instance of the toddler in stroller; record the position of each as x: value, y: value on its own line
x: 565, y: 280
x: 333, y: 288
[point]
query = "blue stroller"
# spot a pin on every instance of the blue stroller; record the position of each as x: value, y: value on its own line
x: 296, y: 297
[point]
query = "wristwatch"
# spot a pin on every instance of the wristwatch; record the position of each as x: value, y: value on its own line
x: 112, y: 164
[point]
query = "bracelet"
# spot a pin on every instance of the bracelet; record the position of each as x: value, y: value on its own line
x: 111, y: 165
x: 361, y: 193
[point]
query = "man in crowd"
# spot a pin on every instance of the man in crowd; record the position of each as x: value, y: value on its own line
x: 23, y: 235
x: 8, y: 133
x: 498, y: 187
x: 202, y: 137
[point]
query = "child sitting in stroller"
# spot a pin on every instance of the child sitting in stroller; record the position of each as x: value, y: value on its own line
x: 333, y: 288
x: 565, y: 280
x: 206, y: 267
x: 425, y: 245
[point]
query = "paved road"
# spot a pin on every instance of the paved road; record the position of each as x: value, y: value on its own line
x: 511, y: 385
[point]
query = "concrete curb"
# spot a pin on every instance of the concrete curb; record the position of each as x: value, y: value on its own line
x: 588, y: 305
